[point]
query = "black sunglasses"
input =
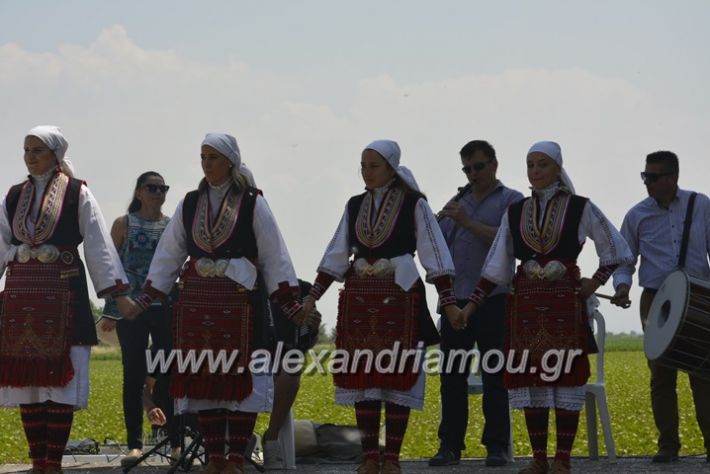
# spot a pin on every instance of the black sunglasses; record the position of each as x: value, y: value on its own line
x: 652, y: 177
x: 154, y: 188
x: 475, y: 167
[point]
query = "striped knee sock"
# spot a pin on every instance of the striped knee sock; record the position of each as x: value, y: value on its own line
x: 59, y: 418
x: 566, y: 422
x: 536, y: 420
x: 213, y: 424
x: 241, y: 426
x: 368, y: 422
x: 35, y: 426
x: 396, y: 419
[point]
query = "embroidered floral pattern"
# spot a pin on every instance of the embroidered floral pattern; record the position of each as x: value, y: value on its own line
x: 49, y: 214
x: 208, y: 236
x: 375, y: 232
x: 544, y: 240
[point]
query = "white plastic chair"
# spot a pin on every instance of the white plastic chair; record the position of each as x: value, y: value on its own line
x: 595, y: 394
x: 287, y: 442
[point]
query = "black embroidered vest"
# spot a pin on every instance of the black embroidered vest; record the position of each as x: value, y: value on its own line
x: 241, y: 242
x: 395, y: 235
x: 558, y: 237
x: 66, y: 232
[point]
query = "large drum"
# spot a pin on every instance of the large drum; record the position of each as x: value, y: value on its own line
x: 678, y: 326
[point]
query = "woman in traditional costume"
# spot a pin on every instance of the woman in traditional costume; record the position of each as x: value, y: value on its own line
x: 228, y: 232
x: 136, y: 235
x: 547, y: 310
x: 383, y: 303
x: 46, y: 325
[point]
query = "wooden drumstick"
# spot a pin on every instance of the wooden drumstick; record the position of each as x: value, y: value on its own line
x: 607, y: 297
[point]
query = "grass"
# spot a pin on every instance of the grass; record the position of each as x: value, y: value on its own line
x: 626, y: 375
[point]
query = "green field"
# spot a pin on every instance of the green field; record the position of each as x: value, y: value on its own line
x: 627, y: 390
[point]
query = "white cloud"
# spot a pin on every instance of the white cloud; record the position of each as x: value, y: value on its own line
x: 126, y: 109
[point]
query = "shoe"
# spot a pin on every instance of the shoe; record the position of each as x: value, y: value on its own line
x: 560, y: 467
x: 232, y: 468
x: 536, y: 466
x: 445, y: 457
x: 36, y: 470
x: 369, y: 466
x: 665, y: 455
x: 273, y: 458
x: 391, y: 467
x: 132, y: 456
x: 496, y: 458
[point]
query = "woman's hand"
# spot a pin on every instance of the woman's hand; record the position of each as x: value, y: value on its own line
x: 468, y: 311
x: 455, y: 317
x: 313, y: 319
x: 156, y: 417
x: 299, y: 318
x: 108, y: 325
x: 589, y: 286
x: 309, y: 305
x: 127, y: 307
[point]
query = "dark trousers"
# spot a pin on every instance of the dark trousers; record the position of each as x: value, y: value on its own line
x: 486, y: 328
x: 664, y: 399
x: 133, y: 336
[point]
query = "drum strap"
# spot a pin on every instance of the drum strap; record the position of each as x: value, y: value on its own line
x: 686, y: 231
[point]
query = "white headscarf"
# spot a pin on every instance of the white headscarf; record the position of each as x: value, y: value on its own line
x: 248, y: 175
x: 225, y: 144
x: 389, y: 150
x: 52, y: 136
x: 553, y: 150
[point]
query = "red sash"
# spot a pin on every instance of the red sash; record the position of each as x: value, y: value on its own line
x: 541, y: 316
x: 374, y: 313
x: 36, y: 326
x: 212, y: 314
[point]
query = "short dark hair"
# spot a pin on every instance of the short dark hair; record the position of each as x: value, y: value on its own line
x: 478, y: 145
x: 667, y: 158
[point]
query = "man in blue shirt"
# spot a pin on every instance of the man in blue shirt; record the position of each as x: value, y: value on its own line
x: 654, y: 230
x: 469, y: 222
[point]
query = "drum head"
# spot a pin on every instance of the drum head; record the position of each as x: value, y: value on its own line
x: 666, y: 314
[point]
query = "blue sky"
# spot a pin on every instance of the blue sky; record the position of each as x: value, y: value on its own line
x: 304, y: 85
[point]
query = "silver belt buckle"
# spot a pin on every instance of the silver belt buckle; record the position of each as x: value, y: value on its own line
x: 381, y: 268
x: 552, y: 271
x: 45, y: 253
x: 208, y: 268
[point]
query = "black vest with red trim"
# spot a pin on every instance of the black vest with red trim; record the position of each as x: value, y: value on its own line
x: 568, y: 247
x: 66, y: 234
x: 402, y: 239
x: 242, y: 242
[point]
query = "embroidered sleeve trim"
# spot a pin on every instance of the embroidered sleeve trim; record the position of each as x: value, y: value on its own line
x: 480, y: 293
x: 603, y: 274
x: 321, y: 285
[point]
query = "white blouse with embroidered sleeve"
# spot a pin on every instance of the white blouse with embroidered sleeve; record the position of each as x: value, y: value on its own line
x: 100, y: 253
x: 433, y: 252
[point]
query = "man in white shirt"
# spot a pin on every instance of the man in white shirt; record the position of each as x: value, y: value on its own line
x: 654, y: 230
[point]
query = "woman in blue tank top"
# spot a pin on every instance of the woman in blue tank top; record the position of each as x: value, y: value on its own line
x: 136, y: 236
